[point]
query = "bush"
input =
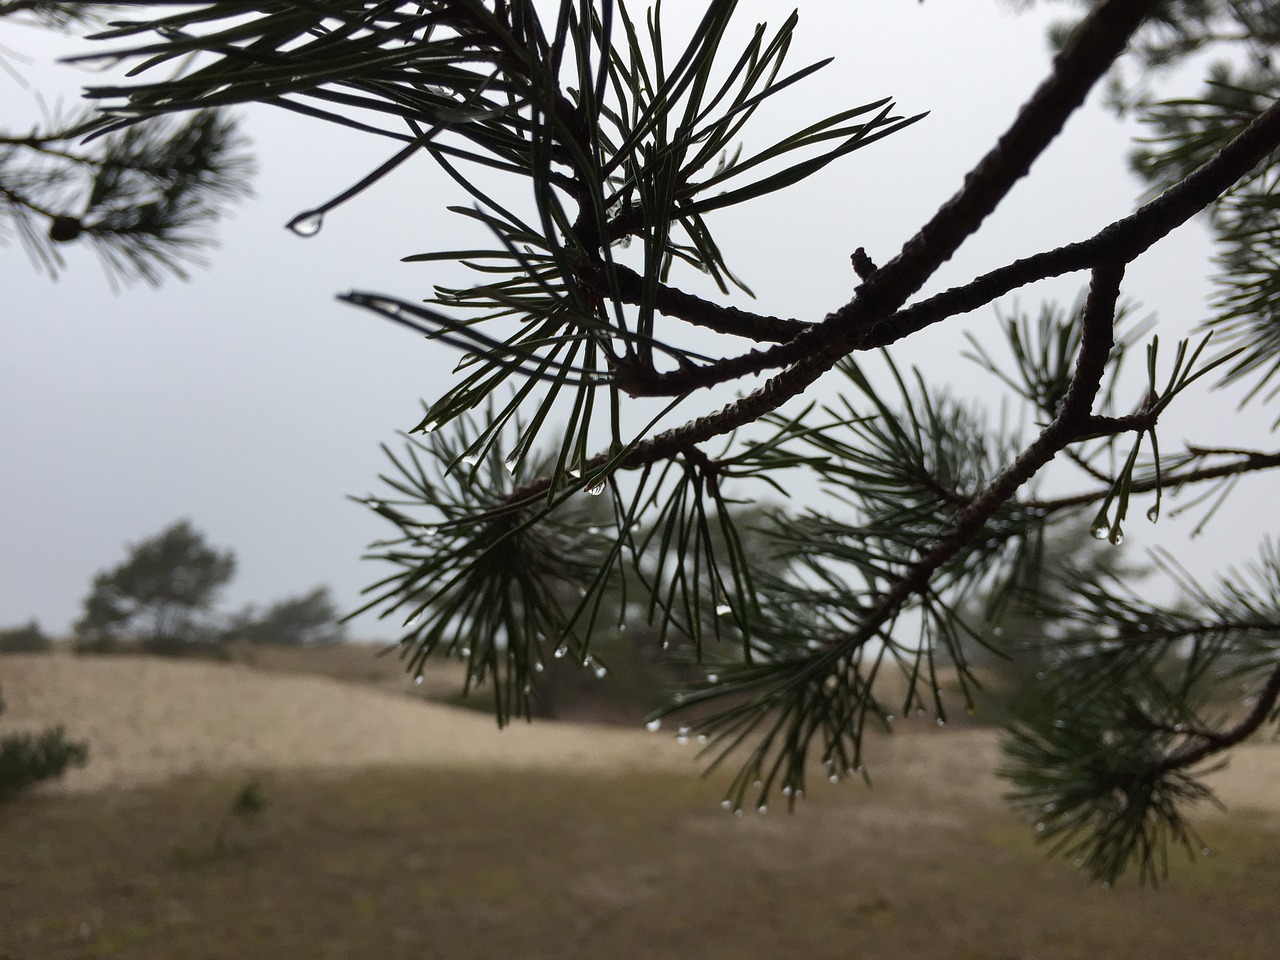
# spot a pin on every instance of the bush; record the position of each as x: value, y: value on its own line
x: 311, y: 619
x: 28, y: 758
x: 28, y: 638
x: 102, y: 645
x: 175, y: 647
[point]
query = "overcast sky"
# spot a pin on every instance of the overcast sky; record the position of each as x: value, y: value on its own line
x: 252, y: 403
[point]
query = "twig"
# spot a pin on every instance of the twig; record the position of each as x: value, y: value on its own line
x: 1214, y: 742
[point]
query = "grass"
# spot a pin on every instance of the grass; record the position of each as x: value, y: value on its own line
x: 393, y: 863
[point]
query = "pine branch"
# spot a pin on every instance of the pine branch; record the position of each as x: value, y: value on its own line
x: 1250, y: 462
x: 1072, y: 422
x: 1124, y: 240
x: 1213, y: 742
x: 628, y: 287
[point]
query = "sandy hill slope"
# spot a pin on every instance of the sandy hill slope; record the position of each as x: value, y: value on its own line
x: 147, y: 719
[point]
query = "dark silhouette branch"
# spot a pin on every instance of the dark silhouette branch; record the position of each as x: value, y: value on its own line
x: 1249, y: 463
x: 1073, y: 418
x: 628, y: 287
x: 1124, y: 240
x: 1210, y: 743
x: 1098, y: 40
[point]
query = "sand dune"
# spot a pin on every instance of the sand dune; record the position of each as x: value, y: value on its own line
x: 147, y: 719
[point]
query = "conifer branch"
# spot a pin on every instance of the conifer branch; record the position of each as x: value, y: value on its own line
x: 1248, y: 463
x: 1213, y: 742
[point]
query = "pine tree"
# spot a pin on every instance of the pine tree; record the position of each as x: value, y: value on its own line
x: 144, y: 197
x: 619, y: 145
x: 156, y: 593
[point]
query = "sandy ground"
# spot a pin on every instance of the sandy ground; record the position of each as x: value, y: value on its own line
x: 148, y: 719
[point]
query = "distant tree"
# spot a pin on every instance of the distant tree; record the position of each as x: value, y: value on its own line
x: 621, y: 139
x: 28, y: 638
x: 144, y: 196
x: 29, y: 758
x: 309, y: 620
x: 157, y: 592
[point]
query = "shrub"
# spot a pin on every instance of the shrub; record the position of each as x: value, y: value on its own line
x: 28, y: 638
x: 28, y: 758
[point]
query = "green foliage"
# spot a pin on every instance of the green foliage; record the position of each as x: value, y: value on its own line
x: 247, y: 805
x: 28, y: 638
x: 1236, y: 42
x: 30, y: 758
x: 595, y: 146
x: 143, y: 197
x: 156, y: 593
x: 310, y: 619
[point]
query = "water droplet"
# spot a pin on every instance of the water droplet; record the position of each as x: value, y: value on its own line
x: 1100, y: 532
x: 511, y: 462
x: 726, y: 804
x: 942, y: 722
x: 834, y: 778
x: 429, y: 426
x: 723, y: 609
x: 1204, y: 851
x: 653, y: 726
x: 601, y: 671
x: 814, y: 644
x: 539, y: 667
x: 471, y: 459
x: 466, y: 651
x: 1040, y: 827
x: 307, y: 224
x: 528, y: 689
x: 560, y: 651
x: 1153, y: 514
x: 1117, y: 538
x: 1106, y: 885
x: 588, y: 660
x: 595, y: 487
x: 998, y: 632
x: 762, y: 809
x: 418, y: 680
x: 682, y: 735
x: 713, y: 678
x: 702, y: 738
